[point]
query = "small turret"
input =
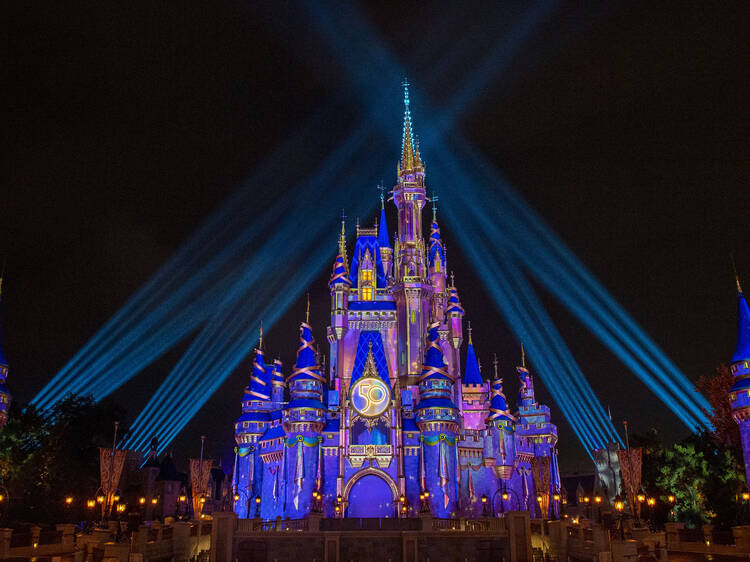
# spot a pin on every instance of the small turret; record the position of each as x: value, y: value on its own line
x: 278, y: 384
x: 500, y: 450
x: 437, y: 266
x: 454, y: 313
x: 386, y: 252
x: 340, y: 284
x: 306, y: 385
x: 435, y: 385
x: 739, y: 394
x: 474, y: 390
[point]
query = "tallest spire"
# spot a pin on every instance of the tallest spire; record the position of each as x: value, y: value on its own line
x: 407, y: 141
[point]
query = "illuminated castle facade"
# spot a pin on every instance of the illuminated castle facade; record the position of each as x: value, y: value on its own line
x: 402, y: 420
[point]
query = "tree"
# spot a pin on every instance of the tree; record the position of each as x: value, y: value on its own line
x: 716, y: 388
x: 46, y: 456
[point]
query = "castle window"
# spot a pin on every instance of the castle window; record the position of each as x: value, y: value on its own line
x: 367, y: 293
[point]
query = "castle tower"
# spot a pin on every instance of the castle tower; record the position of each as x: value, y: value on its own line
x: 411, y: 290
x: 248, y: 429
x: 386, y: 252
x: 499, y: 445
x: 5, y: 396
x: 739, y: 394
x: 437, y: 420
x: 474, y: 391
x: 303, y: 420
x: 278, y: 384
x: 437, y: 265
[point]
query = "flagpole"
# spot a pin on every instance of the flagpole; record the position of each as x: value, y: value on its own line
x: 200, y: 474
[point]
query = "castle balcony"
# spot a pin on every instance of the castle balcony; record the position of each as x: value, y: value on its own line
x: 381, y: 454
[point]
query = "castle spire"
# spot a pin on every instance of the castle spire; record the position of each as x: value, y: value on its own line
x: 472, y: 373
x: 742, y: 350
x: 407, y: 140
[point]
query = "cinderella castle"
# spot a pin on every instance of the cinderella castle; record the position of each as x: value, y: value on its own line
x: 402, y: 421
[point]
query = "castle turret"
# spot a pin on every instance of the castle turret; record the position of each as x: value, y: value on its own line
x: 437, y: 420
x: 5, y: 396
x: 437, y: 267
x: 278, y: 384
x: 500, y: 449
x: 248, y: 429
x: 454, y: 314
x: 474, y: 391
x: 303, y: 420
x: 386, y: 252
x: 740, y: 367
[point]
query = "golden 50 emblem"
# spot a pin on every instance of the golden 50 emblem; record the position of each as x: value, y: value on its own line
x: 370, y: 397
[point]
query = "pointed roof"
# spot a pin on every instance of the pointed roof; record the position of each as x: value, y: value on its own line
x: 339, y: 275
x: 472, y: 375
x: 306, y: 366
x: 742, y: 350
x: 383, y: 241
x: 434, y: 361
x: 436, y: 244
x: 407, y: 139
x: 454, y: 304
x: 260, y: 379
x: 498, y: 403
x: 277, y: 377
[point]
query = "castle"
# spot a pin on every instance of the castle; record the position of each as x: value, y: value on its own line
x: 399, y: 424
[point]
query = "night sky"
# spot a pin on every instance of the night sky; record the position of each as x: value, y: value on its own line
x: 626, y: 128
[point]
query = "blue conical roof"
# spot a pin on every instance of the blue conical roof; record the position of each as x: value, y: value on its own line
x: 277, y: 377
x: 383, y: 241
x: 498, y: 403
x: 434, y: 361
x: 260, y: 380
x: 742, y: 351
x: 454, y: 304
x: 339, y: 275
x: 306, y: 366
x: 436, y: 245
x: 472, y: 375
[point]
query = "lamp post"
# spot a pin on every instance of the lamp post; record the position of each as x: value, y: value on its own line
x: 619, y: 508
x: 257, y: 507
x: 484, y: 505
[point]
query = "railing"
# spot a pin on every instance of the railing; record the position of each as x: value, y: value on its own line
x: 446, y: 524
x: 371, y: 524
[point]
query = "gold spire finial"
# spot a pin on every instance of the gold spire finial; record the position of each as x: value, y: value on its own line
x: 342, y: 236
x: 469, y: 330
x: 260, y: 337
x: 381, y: 188
x: 523, y: 356
x: 434, y: 200
x: 494, y: 363
x: 453, y: 282
x: 736, y: 276
x: 307, y: 310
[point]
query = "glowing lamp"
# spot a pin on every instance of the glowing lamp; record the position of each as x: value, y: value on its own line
x: 338, y: 509
x: 257, y: 500
x: 746, y: 496
x: 100, y: 499
x: 403, y: 508
x: 421, y: 496
x: 116, y: 497
x: 401, y: 498
x: 586, y: 499
x: 141, y: 500
x: 154, y: 501
x: 619, y: 506
x: 670, y: 499
x: 202, y: 500
x: 556, y: 497
x: 484, y: 498
x: 651, y: 501
x: 2, y: 497
x: 339, y: 498
x: 69, y: 500
x: 183, y: 497
x: 91, y: 504
x: 539, y: 498
x: 565, y: 501
x: 505, y: 495
x: 641, y: 498
x: 236, y: 498
x: 598, y: 499
x: 120, y: 507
